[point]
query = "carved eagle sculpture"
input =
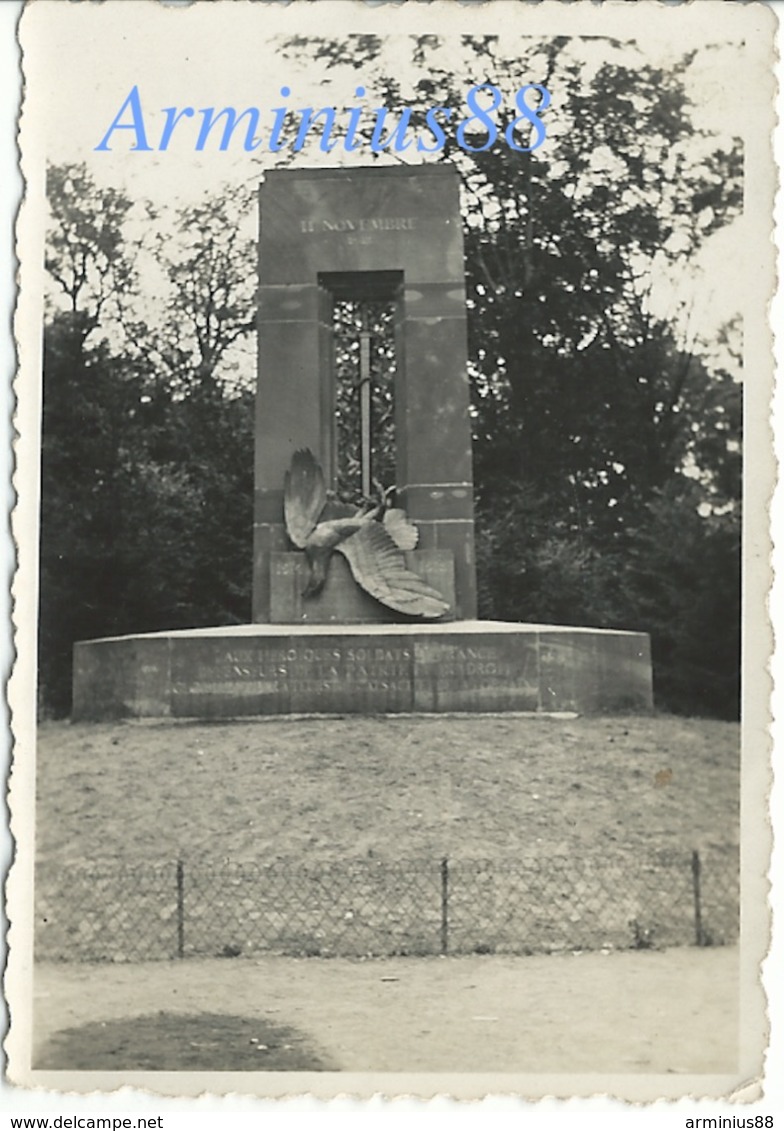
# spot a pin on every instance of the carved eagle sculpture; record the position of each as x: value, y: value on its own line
x: 372, y: 541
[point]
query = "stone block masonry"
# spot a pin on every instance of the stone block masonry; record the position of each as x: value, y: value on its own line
x: 390, y: 234
x: 468, y: 666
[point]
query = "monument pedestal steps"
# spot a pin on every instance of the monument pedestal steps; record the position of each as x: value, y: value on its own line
x: 367, y: 669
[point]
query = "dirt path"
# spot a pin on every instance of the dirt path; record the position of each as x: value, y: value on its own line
x: 637, y: 1012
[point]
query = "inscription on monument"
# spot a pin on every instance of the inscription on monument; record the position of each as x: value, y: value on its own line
x: 311, y: 668
x: 285, y: 674
x: 361, y: 224
x: 466, y: 675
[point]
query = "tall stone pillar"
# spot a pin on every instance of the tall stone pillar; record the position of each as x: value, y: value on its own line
x: 294, y: 409
x: 434, y: 468
x: 391, y: 233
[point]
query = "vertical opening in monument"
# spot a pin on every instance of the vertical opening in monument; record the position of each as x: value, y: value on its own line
x: 364, y: 367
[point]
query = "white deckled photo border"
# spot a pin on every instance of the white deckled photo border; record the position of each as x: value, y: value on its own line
x: 755, y: 1086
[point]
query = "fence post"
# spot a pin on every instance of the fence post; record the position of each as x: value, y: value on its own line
x: 180, y: 909
x: 444, y: 905
x: 696, y: 868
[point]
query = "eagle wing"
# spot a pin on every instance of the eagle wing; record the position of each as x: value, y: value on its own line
x: 304, y: 496
x: 379, y: 567
x: 403, y: 533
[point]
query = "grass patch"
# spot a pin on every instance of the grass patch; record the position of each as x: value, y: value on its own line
x: 317, y: 791
x: 173, y: 1042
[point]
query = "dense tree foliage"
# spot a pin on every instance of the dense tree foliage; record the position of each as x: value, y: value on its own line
x: 606, y: 439
x: 147, y: 458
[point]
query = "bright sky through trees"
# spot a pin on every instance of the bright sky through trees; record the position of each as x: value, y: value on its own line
x: 207, y: 59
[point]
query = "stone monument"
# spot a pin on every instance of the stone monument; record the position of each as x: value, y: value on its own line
x: 392, y: 234
x: 327, y: 236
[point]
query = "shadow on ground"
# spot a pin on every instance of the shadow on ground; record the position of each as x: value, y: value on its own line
x: 173, y: 1042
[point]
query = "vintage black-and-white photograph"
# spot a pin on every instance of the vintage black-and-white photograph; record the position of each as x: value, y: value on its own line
x: 381, y: 418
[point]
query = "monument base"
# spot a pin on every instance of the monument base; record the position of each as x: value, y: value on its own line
x: 265, y: 669
x: 341, y: 601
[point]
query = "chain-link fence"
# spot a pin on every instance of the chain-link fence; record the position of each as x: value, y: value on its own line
x: 91, y: 913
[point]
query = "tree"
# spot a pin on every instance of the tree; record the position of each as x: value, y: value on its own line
x: 209, y: 264
x: 86, y: 252
x: 146, y: 513
x: 87, y: 404
x: 683, y: 579
x: 88, y: 442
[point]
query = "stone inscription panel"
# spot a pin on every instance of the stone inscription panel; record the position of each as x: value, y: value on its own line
x: 337, y: 672
x: 352, y: 675
x: 477, y: 673
x: 358, y: 230
x: 232, y: 676
x: 257, y: 676
x: 359, y: 224
x: 367, y: 219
